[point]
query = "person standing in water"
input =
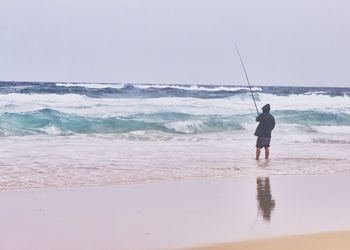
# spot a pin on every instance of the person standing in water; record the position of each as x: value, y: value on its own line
x: 263, y: 131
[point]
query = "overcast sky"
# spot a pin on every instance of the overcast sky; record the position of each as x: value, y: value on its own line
x: 283, y: 42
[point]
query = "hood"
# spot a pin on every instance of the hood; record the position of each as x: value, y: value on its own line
x: 266, y: 108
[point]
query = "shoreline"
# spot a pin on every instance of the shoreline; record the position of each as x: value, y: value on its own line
x: 153, y: 182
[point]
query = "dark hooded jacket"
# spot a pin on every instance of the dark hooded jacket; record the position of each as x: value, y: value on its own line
x: 266, y: 123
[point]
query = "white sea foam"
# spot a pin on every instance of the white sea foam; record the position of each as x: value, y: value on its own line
x: 187, y: 127
x: 104, y: 107
x: 315, y: 92
x: 92, y: 85
x: 332, y: 129
x: 83, y: 105
x: 43, y: 161
x: 195, y: 87
x: 51, y: 130
x: 306, y: 102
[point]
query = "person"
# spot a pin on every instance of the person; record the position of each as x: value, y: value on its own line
x: 263, y: 131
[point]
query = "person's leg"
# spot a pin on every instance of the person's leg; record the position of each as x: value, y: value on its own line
x: 257, y: 153
x: 267, y: 152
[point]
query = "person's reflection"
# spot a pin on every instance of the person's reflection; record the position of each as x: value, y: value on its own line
x: 265, y: 202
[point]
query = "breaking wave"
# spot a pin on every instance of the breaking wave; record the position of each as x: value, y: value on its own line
x: 49, y: 121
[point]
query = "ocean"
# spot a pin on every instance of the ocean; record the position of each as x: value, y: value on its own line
x: 77, y: 134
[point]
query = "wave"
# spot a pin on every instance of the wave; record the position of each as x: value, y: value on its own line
x: 302, y: 102
x: 107, y: 90
x: 196, y: 87
x: 332, y: 129
x: 313, y: 118
x: 239, y: 104
x: 53, y: 122
x: 91, y: 85
x: 104, y: 90
x: 48, y: 121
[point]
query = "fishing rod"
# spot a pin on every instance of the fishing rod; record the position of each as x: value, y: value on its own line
x: 246, y: 76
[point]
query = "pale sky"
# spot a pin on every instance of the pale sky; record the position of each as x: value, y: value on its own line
x: 283, y: 42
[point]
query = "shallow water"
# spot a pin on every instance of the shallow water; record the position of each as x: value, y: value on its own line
x: 41, y: 161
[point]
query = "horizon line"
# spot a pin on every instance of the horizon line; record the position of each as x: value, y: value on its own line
x: 184, y: 84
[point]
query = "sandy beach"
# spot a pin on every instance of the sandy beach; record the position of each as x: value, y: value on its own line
x: 322, y: 241
x: 175, y: 215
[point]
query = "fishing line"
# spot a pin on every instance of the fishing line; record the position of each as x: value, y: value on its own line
x: 246, y: 76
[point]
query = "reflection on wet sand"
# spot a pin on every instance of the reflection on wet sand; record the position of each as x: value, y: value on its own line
x: 265, y: 202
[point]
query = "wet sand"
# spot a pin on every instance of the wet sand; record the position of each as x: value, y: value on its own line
x: 173, y: 215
